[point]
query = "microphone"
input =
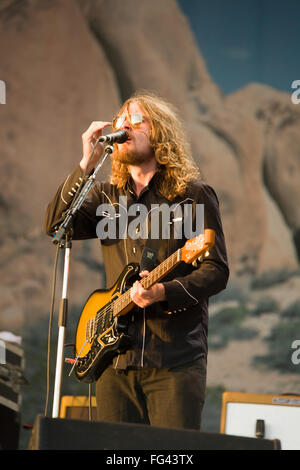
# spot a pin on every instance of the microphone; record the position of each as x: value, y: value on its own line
x: 118, y: 137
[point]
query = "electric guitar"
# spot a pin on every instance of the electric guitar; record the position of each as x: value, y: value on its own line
x: 101, y: 334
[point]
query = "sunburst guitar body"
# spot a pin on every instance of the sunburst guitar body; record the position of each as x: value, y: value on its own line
x: 102, y: 327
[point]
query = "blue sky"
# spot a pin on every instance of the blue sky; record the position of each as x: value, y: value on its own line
x: 247, y: 40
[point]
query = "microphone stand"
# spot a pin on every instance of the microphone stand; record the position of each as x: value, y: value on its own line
x: 63, y: 237
x: 81, y: 197
x: 62, y: 324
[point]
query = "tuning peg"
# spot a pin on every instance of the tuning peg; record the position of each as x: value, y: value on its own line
x: 197, y: 261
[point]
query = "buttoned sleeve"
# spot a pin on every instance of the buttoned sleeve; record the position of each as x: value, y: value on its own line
x: 84, y: 223
x: 212, y: 274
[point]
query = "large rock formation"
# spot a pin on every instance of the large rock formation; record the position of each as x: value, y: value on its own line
x: 57, y: 77
x: 68, y: 63
x: 279, y: 120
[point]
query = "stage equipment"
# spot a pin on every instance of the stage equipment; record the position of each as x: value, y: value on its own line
x: 262, y: 416
x: 11, y: 379
x: 71, y: 434
x: 63, y: 238
x: 78, y: 407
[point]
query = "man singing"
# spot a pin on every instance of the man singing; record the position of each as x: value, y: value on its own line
x: 161, y: 378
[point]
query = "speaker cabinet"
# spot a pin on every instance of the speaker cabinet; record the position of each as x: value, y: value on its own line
x: 11, y: 379
x: 9, y: 428
x: 78, y: 407
x: 262, y: 415
x: 71, y: 434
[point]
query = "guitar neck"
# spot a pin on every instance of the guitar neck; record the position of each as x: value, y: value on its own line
x: 122, y: 303
x: 161, y: 270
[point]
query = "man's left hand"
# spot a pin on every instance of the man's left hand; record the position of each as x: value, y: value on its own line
x: 145, y: 297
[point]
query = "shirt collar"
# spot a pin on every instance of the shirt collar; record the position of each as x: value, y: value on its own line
x: 153, y: 183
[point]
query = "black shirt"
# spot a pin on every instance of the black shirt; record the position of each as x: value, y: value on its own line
x: 166, y: 334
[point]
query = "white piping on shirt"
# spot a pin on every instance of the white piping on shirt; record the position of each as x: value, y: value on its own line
x: 125, y: 248
x: 144, y: 336
x: 116, y: 365
x: 197, y: 301
x: 144, y: 313
x: 118, y: 204
x: 61, y: 193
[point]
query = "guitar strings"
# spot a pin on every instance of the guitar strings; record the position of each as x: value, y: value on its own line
x: 108, y: 308
x: 100, y: 314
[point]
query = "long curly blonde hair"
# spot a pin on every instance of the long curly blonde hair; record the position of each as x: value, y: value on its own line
x: 171, y: 148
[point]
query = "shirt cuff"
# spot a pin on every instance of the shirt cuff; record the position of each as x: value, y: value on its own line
x: 178, y: 297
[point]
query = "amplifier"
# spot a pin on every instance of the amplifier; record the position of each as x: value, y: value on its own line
x: 78, y: 407
x: 11, y: 379
x: 73, y: 434
x: 11, y: 374
x: 266, y: 416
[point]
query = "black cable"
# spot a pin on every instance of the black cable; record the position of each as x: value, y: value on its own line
x: 53, y: 300
x: 90, y: 402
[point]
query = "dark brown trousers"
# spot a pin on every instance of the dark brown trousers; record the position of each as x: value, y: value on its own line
x: 171, y: 398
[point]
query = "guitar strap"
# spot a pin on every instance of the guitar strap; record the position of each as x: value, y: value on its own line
x: 148, y: 259
x: 150, y: 256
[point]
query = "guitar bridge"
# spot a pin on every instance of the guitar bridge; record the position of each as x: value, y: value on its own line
x: 90, y: 330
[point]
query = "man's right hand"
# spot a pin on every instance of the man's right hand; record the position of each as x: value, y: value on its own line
x: 89, y: 137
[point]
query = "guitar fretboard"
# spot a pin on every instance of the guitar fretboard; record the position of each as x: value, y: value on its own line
x: 154, y: 276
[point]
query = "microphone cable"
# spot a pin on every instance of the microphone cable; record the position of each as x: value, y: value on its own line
x: 54, y: 277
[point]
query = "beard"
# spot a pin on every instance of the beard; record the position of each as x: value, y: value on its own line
x: 131, y: 157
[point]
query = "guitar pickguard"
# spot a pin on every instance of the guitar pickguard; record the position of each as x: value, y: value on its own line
x: 103, y: 335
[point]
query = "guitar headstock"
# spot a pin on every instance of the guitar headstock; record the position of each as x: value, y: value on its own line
x: 198, y: 246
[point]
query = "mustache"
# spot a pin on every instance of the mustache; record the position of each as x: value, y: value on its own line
x: 140, y: 131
